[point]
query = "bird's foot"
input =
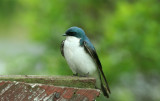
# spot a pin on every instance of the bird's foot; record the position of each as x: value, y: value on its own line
x: 75, y: 74
x: 85, y: 75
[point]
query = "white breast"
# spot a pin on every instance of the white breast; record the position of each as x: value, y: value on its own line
x: 77, y: 58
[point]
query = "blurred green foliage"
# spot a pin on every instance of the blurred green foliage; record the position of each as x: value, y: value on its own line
x: 126, y: 34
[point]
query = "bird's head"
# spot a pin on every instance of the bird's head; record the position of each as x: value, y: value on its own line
x: 75, y: 31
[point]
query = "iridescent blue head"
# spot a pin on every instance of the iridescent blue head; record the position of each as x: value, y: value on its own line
x: 75, y: 31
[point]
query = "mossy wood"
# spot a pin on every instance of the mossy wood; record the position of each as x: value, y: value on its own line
x: 69, y: 81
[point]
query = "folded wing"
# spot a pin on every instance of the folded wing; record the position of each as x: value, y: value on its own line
x: 92, y: 52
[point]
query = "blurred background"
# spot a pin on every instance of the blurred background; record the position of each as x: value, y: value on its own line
x: 126, y: 34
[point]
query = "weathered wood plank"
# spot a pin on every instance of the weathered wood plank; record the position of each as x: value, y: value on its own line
x: 68, y: 81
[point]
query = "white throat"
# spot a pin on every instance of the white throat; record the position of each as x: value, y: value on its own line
x: 72, y: 39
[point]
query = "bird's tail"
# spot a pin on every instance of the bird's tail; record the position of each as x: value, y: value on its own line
x: 105, y: 90
x: 104, y: 87
x: 102, y: 84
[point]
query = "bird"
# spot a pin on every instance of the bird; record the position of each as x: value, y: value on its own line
x: 82, y: 58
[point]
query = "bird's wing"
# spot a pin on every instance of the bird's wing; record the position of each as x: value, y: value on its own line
x: 62, y: 45
x: 92, y: 52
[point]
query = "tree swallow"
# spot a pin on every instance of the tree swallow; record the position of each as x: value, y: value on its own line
x: 82, y: 58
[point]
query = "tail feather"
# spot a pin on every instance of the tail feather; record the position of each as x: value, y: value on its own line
x: 105, y: 91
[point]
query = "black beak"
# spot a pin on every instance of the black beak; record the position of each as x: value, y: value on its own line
x: 64, y: 35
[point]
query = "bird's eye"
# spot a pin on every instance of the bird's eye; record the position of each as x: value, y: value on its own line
x: 72, y: 33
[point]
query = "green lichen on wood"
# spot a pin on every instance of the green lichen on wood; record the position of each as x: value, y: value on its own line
x: 68, y: 81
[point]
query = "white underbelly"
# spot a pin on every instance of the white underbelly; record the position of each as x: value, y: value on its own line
x: 77, y: 58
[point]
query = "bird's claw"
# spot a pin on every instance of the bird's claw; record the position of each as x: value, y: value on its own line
x: 75, y: 74
x: 85, y: 75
